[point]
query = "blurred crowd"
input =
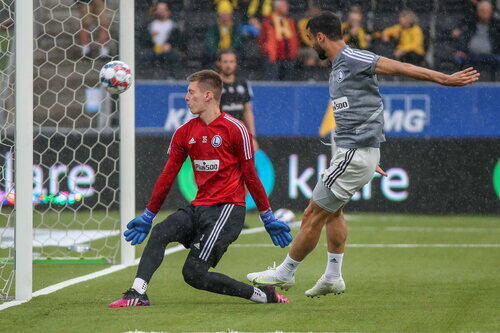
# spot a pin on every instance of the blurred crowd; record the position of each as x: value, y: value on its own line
x: 272, y: 43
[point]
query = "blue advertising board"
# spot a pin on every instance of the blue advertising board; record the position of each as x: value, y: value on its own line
x: 428, y: 111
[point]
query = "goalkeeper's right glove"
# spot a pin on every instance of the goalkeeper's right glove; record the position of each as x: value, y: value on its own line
x: 139, y: 227
x: 278, y: 230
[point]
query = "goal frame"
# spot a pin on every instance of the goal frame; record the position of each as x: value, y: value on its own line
x: 24, y: 37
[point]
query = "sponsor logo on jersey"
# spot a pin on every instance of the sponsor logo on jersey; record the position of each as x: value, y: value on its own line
x: 206, y: 165
x: 340, y: 76
x: 192, y: 141
x: 217, y: 141
x: 340, y: 104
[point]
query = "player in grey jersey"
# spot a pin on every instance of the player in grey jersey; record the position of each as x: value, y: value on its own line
x: 359, y: 121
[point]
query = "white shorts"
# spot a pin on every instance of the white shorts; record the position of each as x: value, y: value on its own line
x: 349, y: 171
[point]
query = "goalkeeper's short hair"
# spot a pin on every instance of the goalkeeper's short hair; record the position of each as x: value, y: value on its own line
x: 210, y: 80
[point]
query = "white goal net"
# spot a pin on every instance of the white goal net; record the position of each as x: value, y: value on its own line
x: 76, y: 146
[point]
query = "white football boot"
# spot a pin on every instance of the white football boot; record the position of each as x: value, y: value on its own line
x: 270, y: 277
x: 323, y: 287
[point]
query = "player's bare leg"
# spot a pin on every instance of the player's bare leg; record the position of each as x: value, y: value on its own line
x: 306, y: 240
x: 331, y: 282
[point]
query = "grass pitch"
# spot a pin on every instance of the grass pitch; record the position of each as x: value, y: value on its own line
x: 450, y: 283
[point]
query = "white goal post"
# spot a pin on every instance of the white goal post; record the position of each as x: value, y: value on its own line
x: 26, y: 44
x: 24, y: 150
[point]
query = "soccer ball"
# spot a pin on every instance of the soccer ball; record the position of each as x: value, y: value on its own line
x: 285, y: 215
x: 115, y: 76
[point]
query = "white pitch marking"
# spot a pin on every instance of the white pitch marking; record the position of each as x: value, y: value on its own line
x: 425, y: 229
x: 391, y: 245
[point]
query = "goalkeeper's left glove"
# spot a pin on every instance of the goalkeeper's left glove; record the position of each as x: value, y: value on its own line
x: 139, y: 227
x: 278, y: 230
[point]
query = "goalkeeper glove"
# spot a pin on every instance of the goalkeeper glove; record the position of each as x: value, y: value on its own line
x: 278, y: 230
x: 139, y: 227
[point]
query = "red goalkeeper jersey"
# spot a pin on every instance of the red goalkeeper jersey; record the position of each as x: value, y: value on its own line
x: 222, y: 159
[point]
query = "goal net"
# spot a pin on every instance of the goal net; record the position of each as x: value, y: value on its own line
x: 76, y: 136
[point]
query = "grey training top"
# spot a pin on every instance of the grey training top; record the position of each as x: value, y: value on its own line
x: 356, y: 100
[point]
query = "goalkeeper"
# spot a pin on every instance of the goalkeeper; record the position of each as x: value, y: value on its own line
x: 221, y: 152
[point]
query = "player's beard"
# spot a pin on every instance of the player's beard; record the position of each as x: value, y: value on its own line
x: 228, y: 73
x: 321, y: 53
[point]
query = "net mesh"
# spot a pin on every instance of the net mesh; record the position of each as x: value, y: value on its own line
x: 76, y: 142
x: 7, y: 72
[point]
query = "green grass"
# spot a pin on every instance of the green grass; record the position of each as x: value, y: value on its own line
x: 424, y: 289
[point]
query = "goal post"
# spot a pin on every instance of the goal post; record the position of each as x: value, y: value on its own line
x: 127, y: 130
x: 24, y: 150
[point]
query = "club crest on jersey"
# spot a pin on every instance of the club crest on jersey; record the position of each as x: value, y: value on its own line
x: 217, y: 141
x: 339, y: 77
x: 340, y: 104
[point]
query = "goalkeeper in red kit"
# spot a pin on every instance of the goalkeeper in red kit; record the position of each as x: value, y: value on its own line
x: 221, y: 152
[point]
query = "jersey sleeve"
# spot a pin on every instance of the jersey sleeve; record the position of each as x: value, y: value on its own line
x: 244, y: 150
x: 360, y: 62
x: 177, y: 155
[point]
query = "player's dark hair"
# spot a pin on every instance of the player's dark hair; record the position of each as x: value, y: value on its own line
x: 210, y: 80
x: 228, y: 51
x: 327, y: 23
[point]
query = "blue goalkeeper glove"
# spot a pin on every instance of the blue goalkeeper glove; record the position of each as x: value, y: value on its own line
x: 138, y: 228
x: 278, y: 230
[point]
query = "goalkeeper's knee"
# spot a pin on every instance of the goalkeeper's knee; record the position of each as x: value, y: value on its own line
x: 194, y: 272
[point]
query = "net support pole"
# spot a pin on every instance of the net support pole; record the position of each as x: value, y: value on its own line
x: 127, y: 130
x: 24, y: 150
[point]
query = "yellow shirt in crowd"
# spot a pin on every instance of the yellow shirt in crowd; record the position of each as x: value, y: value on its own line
x: 410, y: 39
x: 361, y: 35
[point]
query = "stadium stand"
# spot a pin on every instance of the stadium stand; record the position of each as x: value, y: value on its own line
x: 437, y: 18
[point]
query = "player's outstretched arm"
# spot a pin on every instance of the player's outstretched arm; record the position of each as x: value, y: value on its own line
x: 386, y: 66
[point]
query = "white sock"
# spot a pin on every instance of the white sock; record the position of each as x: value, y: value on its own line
x: 334, y: 266
x: 287, y: 268
x: 258, y: 296
x: 140, y: 286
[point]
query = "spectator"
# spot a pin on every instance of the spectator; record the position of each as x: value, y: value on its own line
x: 279, y: 43
x: 165, y: 37
x: 89, y: 9
x: 302, y: 26
x: 255, y: 8
x: 307, y: 57
x: 479, y: 40
x: 224, y: 35
x: 353, y: 31
x: 410, y: 38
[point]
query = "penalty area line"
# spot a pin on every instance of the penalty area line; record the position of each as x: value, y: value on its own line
x: 109, y: 270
